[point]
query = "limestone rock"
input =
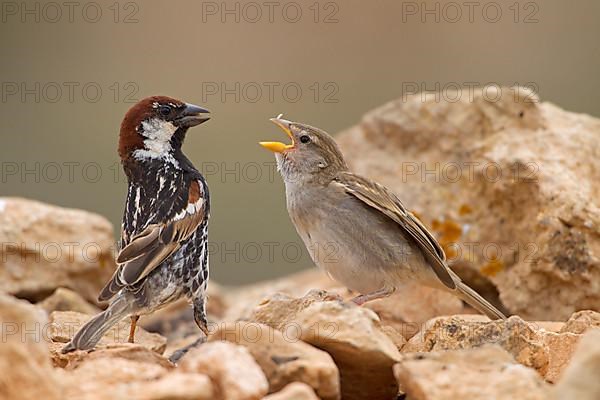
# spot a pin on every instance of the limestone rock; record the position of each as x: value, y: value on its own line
x: 413, y: 305
x: 581, y: 321
x: 64, y: 324
x: 294, y: 391
x: 131, y: 371
x: 175, y: 386
x: 395, y: 336
x: 547, y: 352
x: 284, y: 359
x: 243, y: 300
x: 67, y: 300
x: 231, y: 368
x: 27, y: 373
x: 488, y: 372
x: 580, y: 379
x: 108, y: 378
x: 550, y: 326
x: 45, y: 247
x: 507, y: 183
x: 352, y: 335
x: 128, y: 351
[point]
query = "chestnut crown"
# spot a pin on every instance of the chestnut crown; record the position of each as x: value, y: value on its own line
x: 156, y: 126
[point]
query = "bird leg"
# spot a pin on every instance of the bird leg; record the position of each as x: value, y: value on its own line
x: 134, y: 319
x: 379, y: 294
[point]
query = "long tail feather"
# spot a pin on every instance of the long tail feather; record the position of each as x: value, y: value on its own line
x: 90, y: 333
x: 479, y: 303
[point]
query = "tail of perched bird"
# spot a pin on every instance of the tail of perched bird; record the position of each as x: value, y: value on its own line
x: 476, y: 301
x: 93, y: 330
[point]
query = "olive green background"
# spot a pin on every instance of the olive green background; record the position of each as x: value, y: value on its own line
x: 361, y: 58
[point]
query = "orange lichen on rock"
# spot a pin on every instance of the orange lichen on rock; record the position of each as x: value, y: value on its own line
x: 492, y: 267
x: 465, y: 209
x: 448, y: 234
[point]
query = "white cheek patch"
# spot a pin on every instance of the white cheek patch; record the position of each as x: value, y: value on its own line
x: 157, y: 129
x: 157, y: 144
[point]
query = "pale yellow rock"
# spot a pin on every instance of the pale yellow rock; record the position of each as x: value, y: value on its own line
x: 581, y: 321
x: 25, y: 369
x: 484, y: 373
x: 67, y: 300
x: 545, y: 351
x: 45, y: 247
x: 242, y: 301
x: 175, y: 386
x: 496, y: 171
x: 395, y: 336
x: 412, y: 306
x: 132, y: 372
x: 108, y: 378
x: 282, y: 359
x: 231, y: 368
x: 294, y: 391
x: 580, y: 379
x: 559, y: 349
x: 352, y: 335
x: 126, y: 351
x: 550, y: 326
x: 64, y: 324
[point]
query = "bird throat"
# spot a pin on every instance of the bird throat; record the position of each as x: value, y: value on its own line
x: 157, y: 140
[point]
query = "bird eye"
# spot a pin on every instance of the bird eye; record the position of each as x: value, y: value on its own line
x: 164, y: 110
x: 304, y: 138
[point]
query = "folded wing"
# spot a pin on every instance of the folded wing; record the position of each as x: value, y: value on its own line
x: 149, y: 248
x: 382, y: 200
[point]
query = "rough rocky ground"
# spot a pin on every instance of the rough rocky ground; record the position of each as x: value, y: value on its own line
x: 298, y: 337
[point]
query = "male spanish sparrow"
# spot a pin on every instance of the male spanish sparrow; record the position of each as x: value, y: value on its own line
x: 163, y: 250
x: 356, y: 229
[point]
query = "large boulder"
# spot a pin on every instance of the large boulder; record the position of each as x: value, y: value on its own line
x: 509, y: 185
x: 135, y: 373
x: 67, y: 300
x: 243, y: 300
x: 26, y: 370
x: 45, y: 247
x: 413, y: 305
x: 580, y: 380
x: 283, y: 359
x: 64, y: 324
x: 294, y: 391
x: 488, y: 372
x: 352, y: 335
x: 231, y: 368
x: 582, y: 321
x: 529, y: 343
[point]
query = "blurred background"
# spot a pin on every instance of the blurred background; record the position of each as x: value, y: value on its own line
x: 70, y: 72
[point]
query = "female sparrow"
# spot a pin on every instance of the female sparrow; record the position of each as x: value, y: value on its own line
x: 356, y: 229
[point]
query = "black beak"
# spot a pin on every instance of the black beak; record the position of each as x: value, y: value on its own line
x: 191, y: 116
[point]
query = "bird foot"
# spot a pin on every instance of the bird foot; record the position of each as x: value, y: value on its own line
x: 380, y: 294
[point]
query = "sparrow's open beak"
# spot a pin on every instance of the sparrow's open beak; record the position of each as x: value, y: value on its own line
x: 278, y: 147
x: 192, y: 115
